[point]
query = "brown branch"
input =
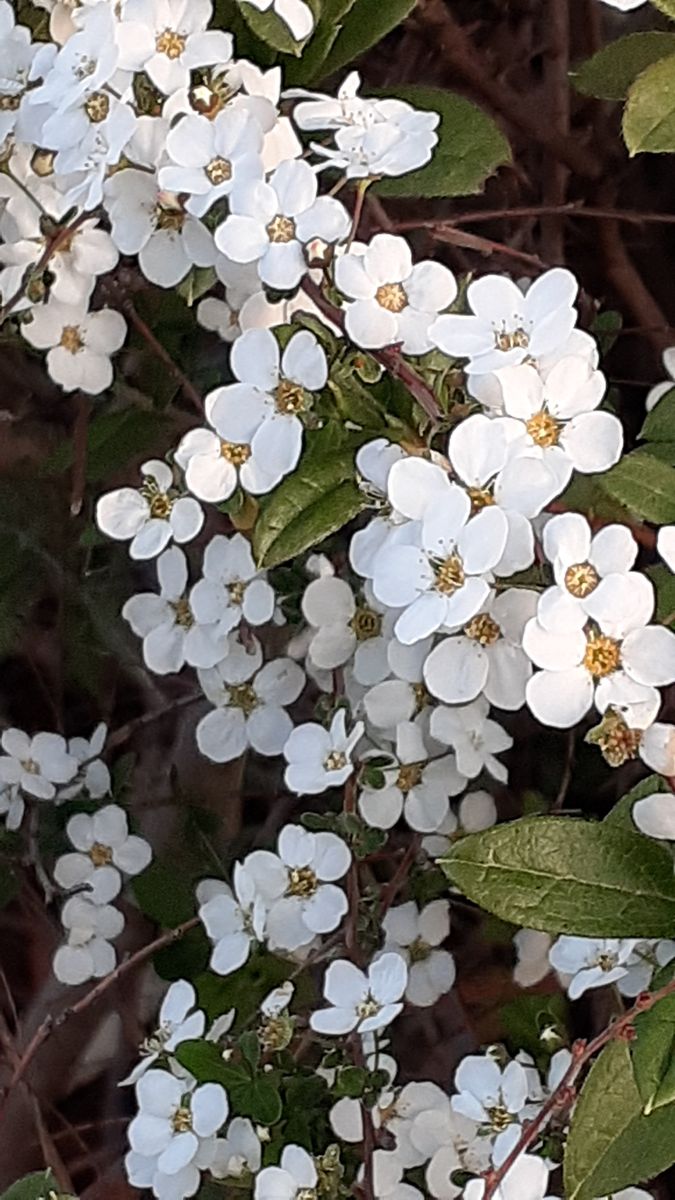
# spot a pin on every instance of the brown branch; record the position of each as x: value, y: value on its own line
x: 627, y: 281
x: 122, y: 735
x: 390, y: 892
x: 52, y: 247
x: 51, y: 1024
x: 389, y: 358
x: 451, y: 40
x: 582, y: 1052
x: 556, y: 173
x: 188, y: 389
x: 575, y: 208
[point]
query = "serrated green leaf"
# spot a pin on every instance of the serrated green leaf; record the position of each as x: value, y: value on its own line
x: 622, y: 813
x: 470, y: 148
x: 568, y: 876
x: 609, y: 73
x: 653, y: 1054
x: 659, y: 424
x: 367, y: 22
x: 644, y: 484
x: 37, y: 1186
x: 272, y: 30
x: 611, y: 1143
x: 649, y: 115
x: 317, y: 500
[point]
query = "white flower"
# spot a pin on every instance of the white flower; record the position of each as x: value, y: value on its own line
x: 584, y: 564
x: 103, y: 849
x: 208, y: 158
x: 625, y: 6
x: 341, y: 627
x: 237, y: 1153
x: 416, y: 936
x: 12, y: 806
x: 645, y: 959
x: 273, y: 390
x: 36, y: 764
x: 592, y: 962
x: 16, y: 57
x: 87, y: 953
x: 150, y: 516
x: 585, y: 664
x: 93, y: 776
x: 171, y: 633
x: 169, y: 38
x: 359, y: 1001
x: 532, y: 949
x: 403, y: 697
x: 477, y: 811
x: 87, y: 253
x: 295, y: 1177
x: 175, y: 1129
x: 494, y: 1098
x: 488, y: 658
x: 234, y: 923
x: 657, y: 748
x: 506, y: 327
x: 250, y: 713
x: 392, y: 300
x: 231, y: 589
x: 179, y: 1021
x: 665, y: 544
x: 475, y: 739
x: 270, y: 222
x: 661, y: 389
x: 527, y: 1179
x: 655, y: 815
x: 417, y: 787
x: 388, y: 1178
x: 294, y: 13
x: 320, y: 758
x: 217, y: 460
x: 558, y: 417
x: 439, y: 573
x: 79, y: 343
x: 303, y: 900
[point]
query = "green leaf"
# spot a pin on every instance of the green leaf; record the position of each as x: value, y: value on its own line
x: 653, y: 1053
x: 568, y: 876
x: 367, y: 22
x: 309, y: 67
x: 351, y: 1081
x: 205, y: 1061
x: 659, y: 425
x: 611, y: 1143
x: 260, y: 1101
x: 609, y: 73
x: 470, y: 148
x: 665, y: 451
x: 665, y: 6
x: 271, y: 29
x: 250, y: 1047
x: 622, y: 813
x: 645, y: 485
x: 317, y: 500
x: 164, y: 895
x: 649, y: 115
x: 664, y: 582
x: 527, y: 1017
x: 32, y: 1187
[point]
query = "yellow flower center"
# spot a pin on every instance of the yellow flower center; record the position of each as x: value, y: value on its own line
x: 368, y: 1007
x: 516, y: 339
x: 219, y: 170
x: 409, y: 776
x: 97, y: 107
x: 543, y: 429
x: 500, y: 1118
x: 606, y: 962
x: 450, y: 575
x: 289, y: 398
x: 603, y: 655
x: 422, y: 696
x: 100, y: 855
x: 618, y: 743
x: 581, y: 579
x: 480, y: 498
x: 243, y: 696
x: 302, y: 882
x: 71, y: 339
x: 169, y: 216
x: 160, y: 506
x: 235, y: 452
x: 392, y: 296
x: 30, y: 766
x: 9, y: 103
x: 483, y: 629
x: 183, y: 613
x: 237, y: 591
x: 181, y: 1122
x: 419, y: 951
x: 306, y: 1194
x: 335, y: 761
x: 281, y: 229
x: 170, y: 43
x: 366, y: 624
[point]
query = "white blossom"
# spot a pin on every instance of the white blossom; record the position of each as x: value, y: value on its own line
x: 87, y: 953
x: 151, y: 516
x: 248, y: 713
x: 591, y: 962
x: 79, y: 343
x: 417, y: 936
x: 320, y: 758
x: 475, y: 739
x: 104, y: 850
x: 361, y: 1001
x: 36, y: 765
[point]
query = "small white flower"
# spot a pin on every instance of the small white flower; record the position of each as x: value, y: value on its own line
x: 87, y: 253
x: 208, y: 158
x: 172, y: 635
x: 231, y: 589
x: 151, y: 516
x: 475, y: 739
x: 320, y: 758
x: 584, y: 564
x: 477, y: 811
x: 494, y: 1098
x: 646, y: 958
x: 93, y: 776
x: 527, y: 1179
x: 87, y: 953
x: 506, y: 327
x: 239, y: 1152
x: 359, y: 1001
x: 168, y: 39
x: 12, y: 806
x: 295, y: 1177
x: 388, y: 1178
x: 592, y: 962
x: 248, y: 713
x: 341, y: 627
x: 417, y: 935
x: 392, y: 300
x: 36, y: 764
x: 657, y: 748
x: 307, y: 902
x: 179, y: 1021
x: 294, y: 13
x: 103, y: 849
x: 175, y: 1128
x: 234, y: 923
x: 416, y: 786
x: 79, y: 343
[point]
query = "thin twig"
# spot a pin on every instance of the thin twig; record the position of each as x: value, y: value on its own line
x: 188, y: 389
x: 122, y: 735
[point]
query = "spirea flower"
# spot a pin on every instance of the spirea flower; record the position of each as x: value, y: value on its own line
x: 361, y: 1001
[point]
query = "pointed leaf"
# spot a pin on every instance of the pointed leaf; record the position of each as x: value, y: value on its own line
x: 649, y: 116
x: 609, y: 73
x: 659, y: 424
x: 644, y: 484
x: 367, y: 22
x: 653, y: 1053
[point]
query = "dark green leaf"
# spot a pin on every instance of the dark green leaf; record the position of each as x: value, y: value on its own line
x: 37, y: 1186
x: 612, y: 1144
x: 568, y: 876
x: 665, y: 451
x: 317, y: 500
x: 664, y: 582
x: 649, y: 115
x: 250, y: 1047
x: 366, y: 23
x: 164, y: 895
x: 527, y: 1017
x: 204, y: 1060
x: 351, y: 1081
x: 645, y: 485
x: 659, y: 425
x: 272, y: 30
x: 469, y: 150
x: 609, y: 73
x: 309, y: 67
x: 260, y: 1101
x: 653, y: 1053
